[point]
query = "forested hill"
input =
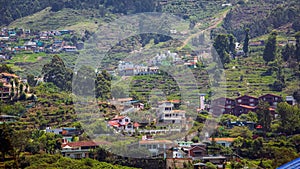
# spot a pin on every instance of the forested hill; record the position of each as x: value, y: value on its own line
x: 11, y: 10
x: 262, y: 16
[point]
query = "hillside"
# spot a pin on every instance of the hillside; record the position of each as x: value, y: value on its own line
x: 16, y: 9
x: 46, y: 19
x: 261, y: 17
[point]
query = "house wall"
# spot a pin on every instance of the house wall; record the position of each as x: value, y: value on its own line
x: 247, y: 100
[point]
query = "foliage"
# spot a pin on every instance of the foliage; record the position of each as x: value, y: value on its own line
x: 103, y: 85
x: 5, y: 134
x: 13, y: 10
x: 289, y: 118
x: 57, y: 161
x: 221, y: 45
x: 259, y: 19
x: 210, y: 165
x: 12, y: 109
x: 297, y: 51
x: 240, y: 131
x: 5, y: 68
x: 246, y: 42
x: 288, y: 52
x: 57, y: 73
x: 264, y: 116
x: 270, y: 48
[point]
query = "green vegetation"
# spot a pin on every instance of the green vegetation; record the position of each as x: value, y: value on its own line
x: 57, y: 161
x: 261, y: 17
x: 270, y: 48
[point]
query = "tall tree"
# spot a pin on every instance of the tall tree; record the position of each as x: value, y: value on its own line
x: 221, y: 46
x: 264, y: 116
x: 270, y: 48
x: 5, y: 133
x: 231, y: 44
x: 57, y: 73
x: 289, y: 117
x: 246, y: 42
x: 297, y: 51
x: 84, y: 80
x: 30, y: 80
x: 103, y: 85
x: 288, y: 52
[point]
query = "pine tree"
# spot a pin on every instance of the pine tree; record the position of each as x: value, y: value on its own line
x: 264, y: 116
x: 270, y: 48
x: 297, y: 51
x: 246, y: 42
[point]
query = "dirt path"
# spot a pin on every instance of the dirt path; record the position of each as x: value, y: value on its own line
x: 217, y: 22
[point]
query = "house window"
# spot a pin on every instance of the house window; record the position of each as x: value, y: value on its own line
x: 251, y: 104
x: 276, y: 98
x: 251, y: 100
x: 239, y: 100
x: 126, y: 120
x: 120, y: 120
x: 154, y: 146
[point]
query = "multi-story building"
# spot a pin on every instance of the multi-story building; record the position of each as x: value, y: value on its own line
x: 272, y: 99
x: 168, y: 115
x: 247, y: 100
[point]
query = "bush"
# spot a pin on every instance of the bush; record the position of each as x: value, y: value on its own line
x: 210, y: 165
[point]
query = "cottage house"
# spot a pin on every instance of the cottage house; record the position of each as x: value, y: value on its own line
x: 226, y: 103
x: 197, y: 151
x: 122, y: 123
x: 247, y: 100
x: 272, y: 99
x: 243, y: 109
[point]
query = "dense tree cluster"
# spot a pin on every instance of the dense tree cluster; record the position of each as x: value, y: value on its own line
x: 57, y: 73
x: 223, y: 47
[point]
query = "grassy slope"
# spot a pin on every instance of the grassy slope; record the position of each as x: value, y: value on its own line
x: 63, y: 19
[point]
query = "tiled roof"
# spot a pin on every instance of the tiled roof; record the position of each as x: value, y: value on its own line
x: 118, y: 118
x: 136, y: 124
x: 247, y: 96
x: 114, y: 123
x: 246, y: 106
